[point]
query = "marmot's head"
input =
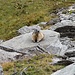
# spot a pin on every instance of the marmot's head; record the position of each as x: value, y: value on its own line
x: 36, y: 31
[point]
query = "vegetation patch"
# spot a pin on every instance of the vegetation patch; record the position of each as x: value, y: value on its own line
x: 37, y: 65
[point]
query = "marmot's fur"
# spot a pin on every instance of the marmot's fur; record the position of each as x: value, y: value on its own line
x: 37, y: 36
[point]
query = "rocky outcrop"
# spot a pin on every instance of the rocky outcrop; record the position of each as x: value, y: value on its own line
x: 67, y: 25
x: 69, y: 70
x: 66, y: 28
x: 23, y: 44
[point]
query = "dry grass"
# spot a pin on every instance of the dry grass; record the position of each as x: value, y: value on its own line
x: 38, y: 65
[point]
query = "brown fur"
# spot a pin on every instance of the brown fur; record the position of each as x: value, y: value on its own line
x: 37, y: 36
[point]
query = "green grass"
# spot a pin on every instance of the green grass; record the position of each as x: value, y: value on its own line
x: 15, y: 14
x: 38, y: 65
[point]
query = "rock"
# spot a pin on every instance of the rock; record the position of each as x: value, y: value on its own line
x: 73, y: 43
x: 67, y: 23
x: 70, y: 52
x: 56, y: 48
x: 7, y: 56
x: 60, y: 11
x: 64, y: 16
x: 43, y: 23
x: 53, y: 50
x: 66, y: 41
x: 72, y: 59
x: 57, y: 25
x: 24, y: 44
x: 55, y: 60
x: 68, y: 70
x: 1, y: 70
x: 64, y: 62
x: 1, y: 41
x: 53, y: 21
x: 66, y: 28
x: 29, y: 29
x: 72, y: 17
x: 62, y: 24
x: 61, y: 60
x: 71, y: 8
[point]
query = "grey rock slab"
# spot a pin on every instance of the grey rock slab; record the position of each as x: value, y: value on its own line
x: 57, y: 48
x: 28, y: 29
x: 1, y: 41
x: 62, y: 24
x: 67, y: 22
x: 24, y: 41
x: 7, y: 56
x: 1, y: 70
x: 66, y: 41
x: 57, y: 25
x: 68, y: 70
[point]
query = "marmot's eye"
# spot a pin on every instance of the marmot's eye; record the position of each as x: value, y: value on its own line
x: 38, y: 31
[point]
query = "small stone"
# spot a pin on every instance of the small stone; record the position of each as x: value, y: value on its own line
x: 53, y: 21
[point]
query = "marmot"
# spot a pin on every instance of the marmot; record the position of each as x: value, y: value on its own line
x: 37, y: 36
